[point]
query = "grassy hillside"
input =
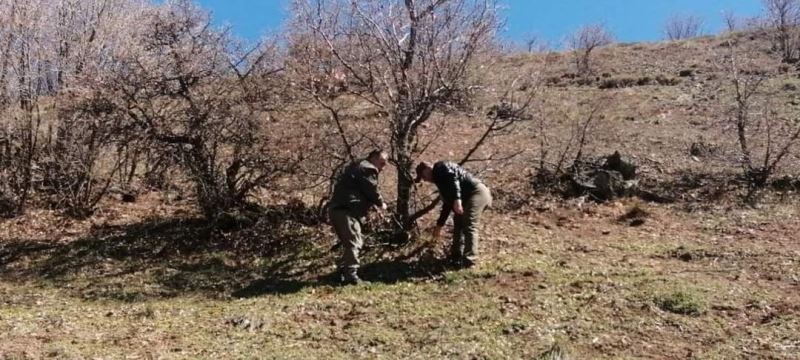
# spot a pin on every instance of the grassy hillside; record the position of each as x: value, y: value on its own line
x: 706, y: 277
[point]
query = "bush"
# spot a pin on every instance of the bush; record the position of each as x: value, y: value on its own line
x: 667, y: 81
x: 617, y: 83
x: 584, y: 41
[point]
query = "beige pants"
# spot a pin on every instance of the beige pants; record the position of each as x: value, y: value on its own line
x: 465, y: 232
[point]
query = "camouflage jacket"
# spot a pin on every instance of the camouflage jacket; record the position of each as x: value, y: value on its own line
x: 356, y: 190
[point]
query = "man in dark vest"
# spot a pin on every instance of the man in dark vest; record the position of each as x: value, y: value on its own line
x: 464, y: 195
x: 355, y: 192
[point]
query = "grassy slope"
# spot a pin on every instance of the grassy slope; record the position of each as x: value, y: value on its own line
x: 576, y: 277
x: 724, y: 283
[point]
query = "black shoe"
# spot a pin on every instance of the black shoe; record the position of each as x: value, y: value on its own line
x: 460, y: 262
x: 455, y: 262
x: 352, y: 280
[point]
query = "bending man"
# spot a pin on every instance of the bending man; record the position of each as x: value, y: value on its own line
x: 464, y: 195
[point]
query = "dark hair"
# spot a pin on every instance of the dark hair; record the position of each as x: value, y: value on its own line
x: 420, y: 167
x: 376, y: 153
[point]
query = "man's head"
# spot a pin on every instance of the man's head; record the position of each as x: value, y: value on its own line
x: 378, y: 158
x: 424, y: 172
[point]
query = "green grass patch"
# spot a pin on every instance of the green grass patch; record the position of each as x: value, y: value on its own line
x: 681, y: 302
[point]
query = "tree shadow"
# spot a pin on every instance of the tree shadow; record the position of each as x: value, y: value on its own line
x: 282, y: 253
x: 420, y: 263
x: 170, y: 257
x: 382, y: 263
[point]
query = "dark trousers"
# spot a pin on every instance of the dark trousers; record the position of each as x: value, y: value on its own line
x: 348, y: 230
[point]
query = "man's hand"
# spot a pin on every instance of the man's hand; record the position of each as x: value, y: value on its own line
x: 437, y: 232
x: 457, y: 207
x: 381, y: 210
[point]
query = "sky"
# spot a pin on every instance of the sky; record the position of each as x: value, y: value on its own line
x: 551, y: 20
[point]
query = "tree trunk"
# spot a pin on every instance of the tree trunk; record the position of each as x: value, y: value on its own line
x: 405, y: 185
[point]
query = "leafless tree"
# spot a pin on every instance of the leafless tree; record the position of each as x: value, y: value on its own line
x: 679, y: 27
x: 584, y: 41
x: 181, y: 86
x: 732, y: 22
x: 48, y: 47
x: 47, y: 44
x: 535, y: 44
x: 19, y: 151
x: 765, y: 135
x: 783, y: 17
x: 79, y: 161
x: 406, y: 59
x: 565, y: 132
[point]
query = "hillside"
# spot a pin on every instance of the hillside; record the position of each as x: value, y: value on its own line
x: 703, y: 276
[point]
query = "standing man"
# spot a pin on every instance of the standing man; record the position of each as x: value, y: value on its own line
x: 464, y: 195
x: 356, y: 191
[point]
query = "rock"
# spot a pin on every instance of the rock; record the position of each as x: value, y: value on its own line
x: 603, y: 185
x: 637, y: 222
x: 615, y: 162
x: 702, y: 149
x: 123, y: 195
x: 246, y: 324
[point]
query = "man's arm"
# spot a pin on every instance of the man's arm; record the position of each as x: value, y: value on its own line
x: 444, y: 214
x: 368, y: 184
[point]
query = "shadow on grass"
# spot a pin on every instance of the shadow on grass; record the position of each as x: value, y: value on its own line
x: 418, y: 263
x: 173, y: 257
x: 395, y: 266
x: 169, y: 257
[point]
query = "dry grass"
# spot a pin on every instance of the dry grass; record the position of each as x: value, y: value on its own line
x: 603, y: 289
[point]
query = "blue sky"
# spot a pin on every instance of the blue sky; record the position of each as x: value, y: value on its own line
x: 629, y: 20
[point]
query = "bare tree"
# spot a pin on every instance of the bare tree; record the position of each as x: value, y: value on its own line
x: 48, y: 47
x: 79, y: 162
x: 679, y: 27
x: 406, y: 59
x: 732, y: 22
x: 766, y: 137
x: 782, y: 17
x: 182, y: 87
x: 19, y: 151
x: 584, y: 41
x: 535, y: 44
x: 565, y: 132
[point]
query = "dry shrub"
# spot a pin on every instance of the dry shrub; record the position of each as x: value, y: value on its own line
x: 766, y: 136
x: 584, y: 41
x: 201, y: 109
x: 680, y: 27
x: 19, y: 145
